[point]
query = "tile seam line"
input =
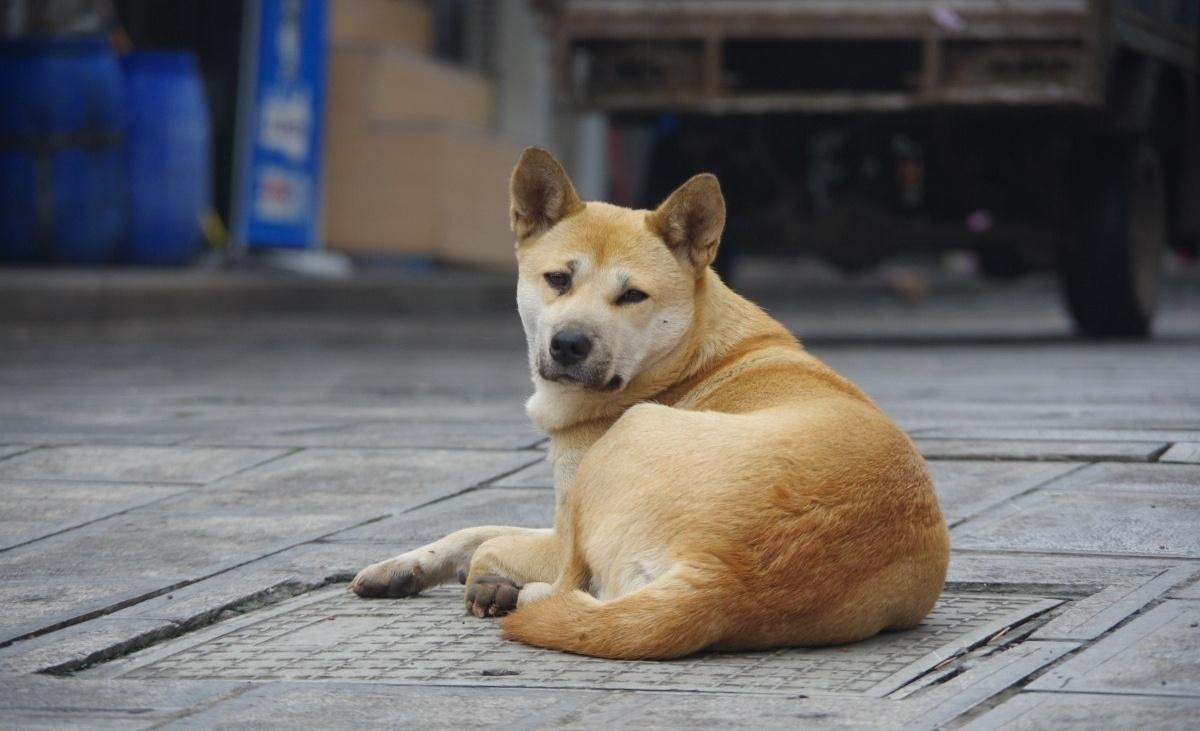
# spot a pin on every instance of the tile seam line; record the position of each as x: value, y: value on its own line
x: 19, y: 452
x: 284, y: 452
x: 93, y: 521
x: 531, y: 447
x: 132, y: 601
x: 982, y: 514
x: 482, y: 484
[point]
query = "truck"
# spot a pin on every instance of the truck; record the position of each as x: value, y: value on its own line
x: 1037, y: 133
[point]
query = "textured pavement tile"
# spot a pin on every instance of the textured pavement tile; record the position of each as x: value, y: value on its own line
x: 966, y: 487
x: 1084, y: 712
x: 35, y: 509
x: 43, y: 702
x: 93, y: 641
x: 1185, y: 452
x: 1140, y: 478
x: 1084, y: 522
x: 1156, y: 654
x: 31, y: 604
x: 512, y: 434
x: 134, y: 464
x: 331, y: 635
x: 1039, y: 449
x: 535, y: 475
x: 164, y: 546
x: 348, y: 481
x: 527, y: 508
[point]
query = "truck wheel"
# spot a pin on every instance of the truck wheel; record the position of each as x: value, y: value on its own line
x: 1110, y: 270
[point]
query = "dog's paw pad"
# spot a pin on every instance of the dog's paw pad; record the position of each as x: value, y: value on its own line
x: 389, y: 580
x: 492, y: 596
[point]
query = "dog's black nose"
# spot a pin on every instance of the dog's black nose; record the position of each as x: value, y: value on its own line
x: 568, y: 347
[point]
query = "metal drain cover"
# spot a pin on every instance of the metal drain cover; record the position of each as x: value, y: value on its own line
x: 334, y: 636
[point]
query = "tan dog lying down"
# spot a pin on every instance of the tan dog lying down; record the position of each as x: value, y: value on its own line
x: 716, y: 486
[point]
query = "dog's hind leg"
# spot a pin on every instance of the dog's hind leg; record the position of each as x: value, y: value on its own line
x: 431, y: 565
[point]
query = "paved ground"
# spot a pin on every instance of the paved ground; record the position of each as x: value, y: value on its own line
x: 181, y: 498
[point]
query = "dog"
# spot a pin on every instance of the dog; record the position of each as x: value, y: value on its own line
x: 716, y: 486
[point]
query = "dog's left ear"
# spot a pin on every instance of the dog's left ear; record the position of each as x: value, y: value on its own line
x: 691, y: 219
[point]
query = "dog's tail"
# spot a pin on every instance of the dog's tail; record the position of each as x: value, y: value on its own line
x: 668, y: 618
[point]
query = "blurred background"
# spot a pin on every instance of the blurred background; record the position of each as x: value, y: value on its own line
x: 904, y: 146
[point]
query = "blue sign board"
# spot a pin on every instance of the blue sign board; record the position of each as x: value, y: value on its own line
x: 281, y: 109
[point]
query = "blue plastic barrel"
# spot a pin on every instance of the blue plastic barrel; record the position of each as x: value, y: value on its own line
x: 62, y: 184
x: 168, y: 151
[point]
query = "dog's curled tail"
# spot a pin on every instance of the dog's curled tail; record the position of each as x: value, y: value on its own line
x: 665, y: 619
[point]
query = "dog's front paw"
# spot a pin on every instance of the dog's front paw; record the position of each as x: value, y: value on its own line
x: 492, y: 596
x: 391, y: 579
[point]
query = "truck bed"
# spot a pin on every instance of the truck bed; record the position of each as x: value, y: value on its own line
x: 755, y: 56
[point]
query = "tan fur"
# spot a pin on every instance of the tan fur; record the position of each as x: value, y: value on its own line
x: 733, y: 492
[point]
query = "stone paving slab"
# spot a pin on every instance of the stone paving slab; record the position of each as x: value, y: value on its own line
x: 1056, y: 711
x: 42, y: 702
x: 102, y: 566
x: 134, y: 464
x: 1156, y: 654
x: 1175, y: 479
x: 1182, y: 452
x: 34, y: 603
x: 1084, y: 434
x: 539, y: 475
x: 333, y: 635
x: 93, y: 641
x: 1191, y: 591
x: 988, y: 678
x: 34, y: 510
x: 339, y: 705
x: 352, y: 482
x: 1082, y: 522
x: 166, y: 546
x: 527, y: 508
x: 966, y: 488
x: 513, y: 434
x: 1059, y: 450
x: 1104, y: 591
x: 7, y: 450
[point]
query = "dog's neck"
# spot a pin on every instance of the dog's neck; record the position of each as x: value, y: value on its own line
x: 724, y: 327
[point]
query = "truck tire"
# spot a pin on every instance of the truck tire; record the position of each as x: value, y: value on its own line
x: 1111, y: 269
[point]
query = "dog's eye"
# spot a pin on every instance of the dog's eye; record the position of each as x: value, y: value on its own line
x: 559, y: 281
x: 631, y: 296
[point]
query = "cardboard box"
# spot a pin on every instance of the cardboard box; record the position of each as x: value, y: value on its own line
x: 421, y: 190
x: 372, y: 84
x: 407, y: 23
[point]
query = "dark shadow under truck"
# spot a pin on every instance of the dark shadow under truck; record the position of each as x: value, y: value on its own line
x: 1036, y: 132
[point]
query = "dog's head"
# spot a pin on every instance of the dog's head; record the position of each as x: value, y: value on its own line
x: 605, y: 293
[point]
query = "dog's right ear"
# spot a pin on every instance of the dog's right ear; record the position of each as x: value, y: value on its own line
x: 541, y: 194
